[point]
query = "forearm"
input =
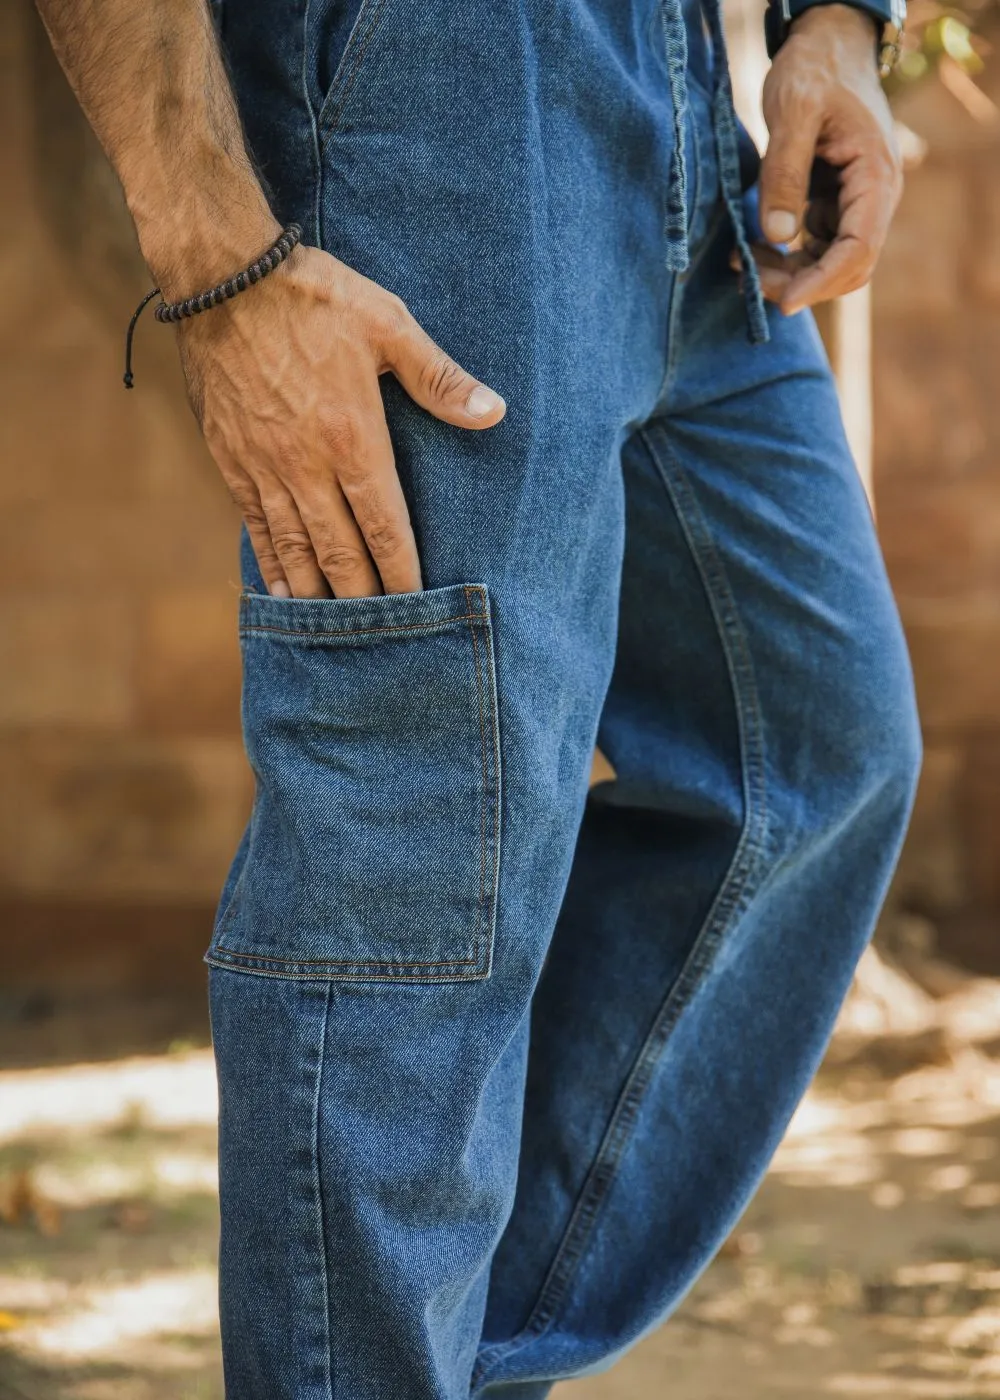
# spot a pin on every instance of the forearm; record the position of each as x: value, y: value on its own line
x: 152, y: 83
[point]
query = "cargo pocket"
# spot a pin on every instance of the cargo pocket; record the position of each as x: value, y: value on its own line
x: 373, y: 848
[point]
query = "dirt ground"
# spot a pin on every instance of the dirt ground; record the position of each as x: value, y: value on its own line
x: 867, y: 1266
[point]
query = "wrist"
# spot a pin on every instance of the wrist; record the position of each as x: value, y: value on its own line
x: 194, y: 244
x: 846, y: 21
x: 860, y: 29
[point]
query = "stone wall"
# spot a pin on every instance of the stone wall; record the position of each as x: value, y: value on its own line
x: 937, y: 486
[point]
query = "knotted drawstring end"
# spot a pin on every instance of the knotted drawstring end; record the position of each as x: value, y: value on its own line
x: 128, y: 378
x: 678, y: 257
x: 758, y: 331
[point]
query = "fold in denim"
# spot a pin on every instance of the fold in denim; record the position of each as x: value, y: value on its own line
x: 724, y: 126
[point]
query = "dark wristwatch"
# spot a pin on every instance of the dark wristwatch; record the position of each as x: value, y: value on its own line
x: 889, y: 15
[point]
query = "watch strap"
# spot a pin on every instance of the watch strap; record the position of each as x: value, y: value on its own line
x: 889, y: 15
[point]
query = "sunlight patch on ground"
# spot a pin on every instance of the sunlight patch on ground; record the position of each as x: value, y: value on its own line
x: 867, y: 1267
x: 917, y: 1388
x: 165, y: 1091
x: 74, y: 1186
x: 106, y: 1318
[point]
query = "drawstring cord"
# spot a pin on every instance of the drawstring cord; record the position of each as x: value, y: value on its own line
x: 724, y: 127
x: 676, y: 223
x: 726, y: 142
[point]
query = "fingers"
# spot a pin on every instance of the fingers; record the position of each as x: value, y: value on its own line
x: 312, y: 548
x: 358, y: 448
x: 841, y: 247
x: 291, y: 543
x: 849, y: 261
x: 247, y: 497
x: 787, y: 165
x: 343, y: 532
x: 843, y: 268
x: 432, y: 378
x: 815, y: 273
x: 338, y: 544
x: 775, y: 268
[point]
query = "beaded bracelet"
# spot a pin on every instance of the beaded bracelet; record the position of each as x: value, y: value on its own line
x: 192, y: 306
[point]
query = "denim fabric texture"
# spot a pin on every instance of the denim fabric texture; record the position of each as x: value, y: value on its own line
x: 502, y: 1060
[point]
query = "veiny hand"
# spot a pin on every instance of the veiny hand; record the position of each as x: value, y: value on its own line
x: 832, y: 158
x: 284, y: 382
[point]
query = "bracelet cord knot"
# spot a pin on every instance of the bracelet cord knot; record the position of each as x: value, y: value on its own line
x: 173, y: 311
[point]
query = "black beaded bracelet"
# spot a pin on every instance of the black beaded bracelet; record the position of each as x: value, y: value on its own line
x: 193, y: 306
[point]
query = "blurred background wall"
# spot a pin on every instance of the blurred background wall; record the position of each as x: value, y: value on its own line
x: 937, y: 484
x: 122, y: 784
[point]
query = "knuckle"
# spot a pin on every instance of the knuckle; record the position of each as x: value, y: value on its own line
x: 893, y: 178
x: 384, y: 537
x: 854, y: 277
x: 791, y: 92
x: 291, y: 543
x: 255, y: 518
x: 340, y: 433
x: 864, y: 255
x: 340, y: 560
x: 784, y: 175
x: 393, y: 317
x: 288, y: 463
x: 441, y: 377
x: 245, y: 496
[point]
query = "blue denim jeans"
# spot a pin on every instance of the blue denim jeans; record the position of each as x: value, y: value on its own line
x: 502, y: 1060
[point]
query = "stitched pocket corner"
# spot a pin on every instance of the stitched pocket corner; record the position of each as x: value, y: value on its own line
x: 373, y: 850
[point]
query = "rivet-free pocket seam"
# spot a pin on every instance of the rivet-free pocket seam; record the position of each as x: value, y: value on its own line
x: 490, y: 804
x: 361, y: 631
x: 478, y: 965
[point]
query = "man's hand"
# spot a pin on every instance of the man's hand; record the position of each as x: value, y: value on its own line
x: 832, y: 160
x: 284, y: 378
x: 284, y: 381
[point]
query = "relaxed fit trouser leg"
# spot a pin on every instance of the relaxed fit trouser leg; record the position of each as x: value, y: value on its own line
x: 761, y: 724
x: 422, y: 760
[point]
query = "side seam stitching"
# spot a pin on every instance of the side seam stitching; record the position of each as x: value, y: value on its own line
x: 317, y: 238
x: 320, y: 1206
x: 730, y: 901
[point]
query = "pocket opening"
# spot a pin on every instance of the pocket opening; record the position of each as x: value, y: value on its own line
x: 352, y: 47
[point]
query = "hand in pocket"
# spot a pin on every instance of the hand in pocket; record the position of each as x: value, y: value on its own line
x: 284, y: 383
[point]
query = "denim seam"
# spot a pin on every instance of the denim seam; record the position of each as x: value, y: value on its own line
x: 310, y: 108
x: 724, y: 124
x: 486, y: 789
x: 674, y: 345
x: 732, y: 634
x: 320, y: 1208
x: 252, y: 627
x: 418, y: 978
x: 343, y: 962
x: 345, y: 77
x: 655, y: 23
x: 731, y: 899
